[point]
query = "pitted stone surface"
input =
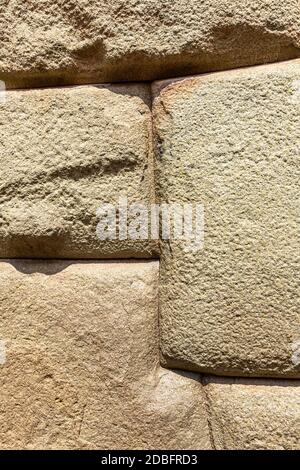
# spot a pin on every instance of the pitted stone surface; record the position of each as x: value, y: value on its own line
x: 254, y: 414
x: 230, y: 141
x: 64, y: 153
x: 47, y: 42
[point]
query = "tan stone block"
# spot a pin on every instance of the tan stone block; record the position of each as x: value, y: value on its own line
x: 79, y: 361
x: 230, y: 141
x: 59, y: 42
x: 254, y: 414
x: 64, y: 153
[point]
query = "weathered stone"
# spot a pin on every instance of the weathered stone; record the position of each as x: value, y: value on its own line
x: 254, y: 414
x: 65, y: 152
x: 230, y: 141
x: 79, y: 361
x: 46, y: 42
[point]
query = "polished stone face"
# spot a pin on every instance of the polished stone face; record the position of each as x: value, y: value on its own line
x: 81, y: 366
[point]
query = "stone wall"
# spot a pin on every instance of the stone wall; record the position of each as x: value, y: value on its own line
x: 136, y: 342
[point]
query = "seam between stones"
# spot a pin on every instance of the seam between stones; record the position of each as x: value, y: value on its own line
x: 153, y: 151
x: 179, y: 77
x: 208, y: 412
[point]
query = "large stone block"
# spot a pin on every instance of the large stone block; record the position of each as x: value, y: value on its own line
x: 59, y: 42
x: 230, y: 141
x: 79, y: 361
x: 64, y: 153
x: 254, y: 414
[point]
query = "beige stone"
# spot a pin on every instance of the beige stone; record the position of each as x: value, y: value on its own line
x: 58, y: 42
x: 79, y: 361
x: 65, y: 152
x: 230, y: 141
x: 254, y: 414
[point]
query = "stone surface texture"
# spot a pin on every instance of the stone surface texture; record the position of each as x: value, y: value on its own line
x: 65, y: 152
x: 47, y: 42
x: 257, y: 414
x: 128, y: 342
x: 79, y: 361
x: 230, y: 141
